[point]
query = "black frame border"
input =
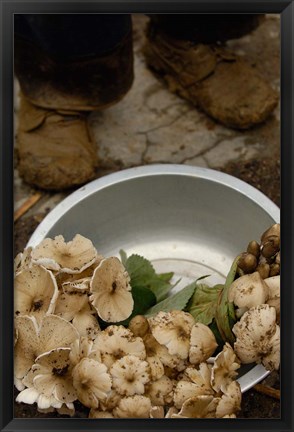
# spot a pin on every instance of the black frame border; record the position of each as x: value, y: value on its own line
x: 7, y: 9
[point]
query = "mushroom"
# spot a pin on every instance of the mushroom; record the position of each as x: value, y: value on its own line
x: 203, y: 406
x: 111, y: 291
x: 202, y: 343
x: 196, y: 382
x: 273, y: 284
x: 35, y: 292
x: 80, y: 349
x: 139, y: 325
x: 31, y: 395
x: 156, y: 412
x: 224, y: 369
x: 160, y: 391
x: 156, y: 367
x: 91, y: 381
x: 71, y: 257
x: 115, y: 342
x: 274, y: 230
x: 54, y: 332
x: 75, y: 307
x: 171, y: 411
x: 230, y: 402
x: 129, y: 375
x: 133, y: 407
x: 248, y: 291
x: 111, y: 401
x: 173, y: 329
x: 154, y: 349
x: 95, y: 413
x: 26, y: 348
x: 53, y: 375
x: 258, y: 337
x: 23, y: 260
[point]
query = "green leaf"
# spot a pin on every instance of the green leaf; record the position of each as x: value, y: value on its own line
x: 177, y: 301
x: 142, y: 274
x: 203, y: 304
x: 225, y: 313
x: 123, y: 257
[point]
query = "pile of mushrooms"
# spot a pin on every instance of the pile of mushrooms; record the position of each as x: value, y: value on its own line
x: 157, y: 367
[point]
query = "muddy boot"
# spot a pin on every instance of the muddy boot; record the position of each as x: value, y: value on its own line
x: 212, y: 78
x: 54, y: 149
x: 67, y: 66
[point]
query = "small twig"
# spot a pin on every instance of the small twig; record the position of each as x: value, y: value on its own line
x: 269, y: 391
x: 30, y: 202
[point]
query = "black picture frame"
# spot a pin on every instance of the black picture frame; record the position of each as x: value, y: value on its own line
x: 7, y: 9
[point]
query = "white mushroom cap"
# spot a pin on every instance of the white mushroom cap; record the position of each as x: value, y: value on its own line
x: 153, y: 348
x: 224, y: 369
x: 23, y: 260
x: 202, y: 343
x: 115, y: 342
x: 78, y: 285
x: 111, y: 401
x: 71, y: 257
x: 74, y: 306
x: 248, y: 291
x: 31, y: 395
x: 53, y: 375
x: 35, y: 292
x: 133, y: 407
x: 160, y: 391
x: 198, y: 384
x: 173, y: 329
x: 198, y: 407
x: 111, y: 291
x: 55, y: 332
x: 26, y: 348
x: 258, y: 337
x: 273, y: 284
x: 156, y: 367
x: 129, y: 375
x: 91, y: 381
x: 230, y: 402
x: 80, y: 348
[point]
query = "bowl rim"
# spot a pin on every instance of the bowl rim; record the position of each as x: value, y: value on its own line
x: 151, y: 170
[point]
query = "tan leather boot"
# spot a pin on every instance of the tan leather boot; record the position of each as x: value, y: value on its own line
x: 215, y: 80
x: 54, y: 149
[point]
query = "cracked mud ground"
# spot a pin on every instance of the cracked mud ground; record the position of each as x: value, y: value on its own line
x: 151, y: 125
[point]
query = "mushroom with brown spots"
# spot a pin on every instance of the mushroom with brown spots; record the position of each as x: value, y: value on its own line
x: 224, y: 368
x: 91, y: 381
x: 173, y: 330
x: 35, y: 292
x: 65, y: 257
x: 111, y: 291
x: 258, y: 337
x: 230, y: 402
x: 53, y: 332
x: 130, y: 375
x: 202, y: 343
x: 195, y: 382
x: 203, y: 406
x: 273, y: 284
x: 160, y: 392
x: 248, y: 291
x: 115, y: 342
x: 133, y: 407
